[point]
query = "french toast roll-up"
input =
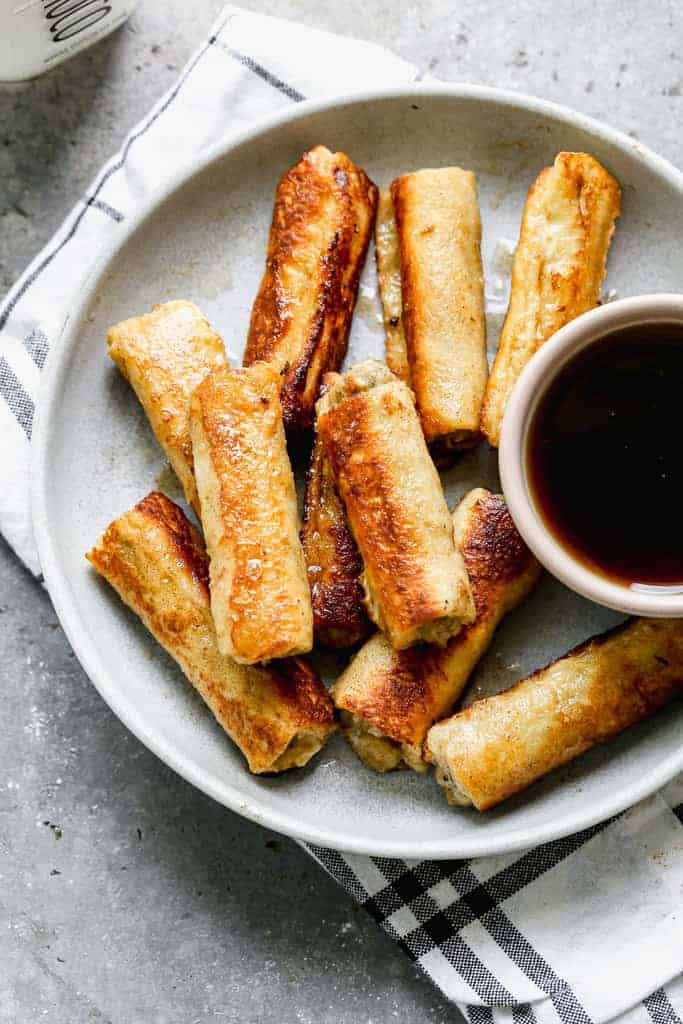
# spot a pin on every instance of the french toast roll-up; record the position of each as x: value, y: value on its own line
x: 388, y: 699
x: 322, y: 222
x: 278, y: 715
x: 499, y: 746
x: 415, y: 582
x: 558, y: 269
x: 259, y: 588
x: 164, y: 355
x: 440, y: 330
x: 332, y: 558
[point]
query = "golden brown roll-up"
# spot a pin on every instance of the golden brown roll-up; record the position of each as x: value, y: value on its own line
x: 332, y: 559
x: 389, y: 699
x: 164, y: 355
x: 558, y: 269
x: 322, y: 223
x: 498, y: 746
x: 442, y: 296
x: 260, y: 598
x: 415, y: 582
x: 280, y: 715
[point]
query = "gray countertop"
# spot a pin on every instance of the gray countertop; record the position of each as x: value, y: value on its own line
x: 126, y: 896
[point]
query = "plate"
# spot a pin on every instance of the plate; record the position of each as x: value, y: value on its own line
x: 204, y: 238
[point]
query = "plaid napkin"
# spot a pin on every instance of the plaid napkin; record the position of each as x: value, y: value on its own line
x: 583, y: 929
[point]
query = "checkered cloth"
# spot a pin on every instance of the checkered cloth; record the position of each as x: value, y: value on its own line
x: 582, y: 929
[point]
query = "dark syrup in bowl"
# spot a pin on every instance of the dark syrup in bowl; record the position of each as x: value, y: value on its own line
x: 605, y: 456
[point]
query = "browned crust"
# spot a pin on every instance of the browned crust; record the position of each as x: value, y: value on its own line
x: 499, y: 746
x: 332, y: 559
x: 184, y: 536
x: 322, y: 221
x: 114, y: 558
x: 155, y: 559
x: 361, y: 427
x: 259, y: 588
x: 559, y: 266
x: 165, y: 354
x: 400, y: 694
x: 381, y: 525
x: 442, y: 285
x: 398, y: 702
x: 298, y: 686
x: 494, y: 553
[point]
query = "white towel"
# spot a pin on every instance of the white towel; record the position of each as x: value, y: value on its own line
x: 579, y: 930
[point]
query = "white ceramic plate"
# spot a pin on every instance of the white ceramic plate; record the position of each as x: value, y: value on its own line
x: 204, y: 238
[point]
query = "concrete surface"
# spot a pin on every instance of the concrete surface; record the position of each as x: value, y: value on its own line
x: 125, y: 895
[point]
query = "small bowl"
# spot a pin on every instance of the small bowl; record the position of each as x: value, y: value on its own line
x: 534, y: 381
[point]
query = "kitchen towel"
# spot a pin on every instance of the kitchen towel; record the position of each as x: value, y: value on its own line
x: 583, y: 929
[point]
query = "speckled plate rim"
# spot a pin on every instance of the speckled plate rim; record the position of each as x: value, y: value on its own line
x: 57, y: 583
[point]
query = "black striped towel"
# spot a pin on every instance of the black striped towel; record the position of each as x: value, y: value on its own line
x: 583, y: 929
